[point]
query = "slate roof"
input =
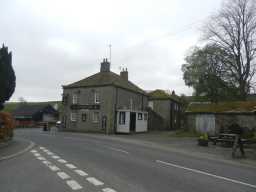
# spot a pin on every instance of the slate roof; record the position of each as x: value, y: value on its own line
x: 159, y: 94
x: 105, y: 79
x: 222, y: 107
x: 28, y: 110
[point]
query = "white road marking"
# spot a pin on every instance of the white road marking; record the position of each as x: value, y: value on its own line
x: 54, y: 168
x: 108, y: 190
x: 208, y: 174
x: 119, y: 150
x: 33, y: 151
x: 50, y: 153
x: 63, y: 175
x: 37, y: 154
x: 41, y: 158
x: 81, y: 173
x: 74, y: 185
x: 94, y: 181
x: 46, y: 150
x: 71, y: 166
x: 42, y: 148
x: 55, y: 157
x: 62, y: 161
x: 47, y: 163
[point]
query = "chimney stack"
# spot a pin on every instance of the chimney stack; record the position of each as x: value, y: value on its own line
x: 105, y: 66
x: 124, y: 74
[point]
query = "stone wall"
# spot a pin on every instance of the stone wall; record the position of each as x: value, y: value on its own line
x: 223, y: 121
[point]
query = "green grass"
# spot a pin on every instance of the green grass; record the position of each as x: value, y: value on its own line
x: 184, y: 133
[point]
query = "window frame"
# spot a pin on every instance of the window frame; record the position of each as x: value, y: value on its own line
x: 74, y: 99
x: 73, y: 116
x: 94, y: 119
x: 96, y: 97
x: 140, y: 116
x: 84, y: 117
x: 122, y: 117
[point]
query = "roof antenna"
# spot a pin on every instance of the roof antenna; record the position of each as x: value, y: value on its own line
x: 109, y: 52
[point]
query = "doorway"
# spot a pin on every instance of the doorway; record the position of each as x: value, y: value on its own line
x: 132, y: 122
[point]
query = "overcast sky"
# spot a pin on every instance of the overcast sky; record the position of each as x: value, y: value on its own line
x: 57, y: 42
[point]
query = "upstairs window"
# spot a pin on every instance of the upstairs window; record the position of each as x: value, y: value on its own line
x: 151, y: 104
x: 75, y: 99
x: 122, y: 118
x: 96, y: 97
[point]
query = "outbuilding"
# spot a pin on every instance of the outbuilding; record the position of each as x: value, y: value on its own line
x: 214, y: 118
x: 31, y: 115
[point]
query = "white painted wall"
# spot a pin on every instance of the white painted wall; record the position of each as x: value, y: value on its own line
x: 124, y: 128
x: 205, y: 123
x: 141, y: 125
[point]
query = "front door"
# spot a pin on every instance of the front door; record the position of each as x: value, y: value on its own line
x: 132, y: 122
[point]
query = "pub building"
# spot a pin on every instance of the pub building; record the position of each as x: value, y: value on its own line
x: 105, y: 102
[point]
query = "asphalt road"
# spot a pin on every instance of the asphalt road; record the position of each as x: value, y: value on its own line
x: 89, y: 163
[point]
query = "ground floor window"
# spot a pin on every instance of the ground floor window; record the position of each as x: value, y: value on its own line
x: 139, y: 116
x: 96, y: 117
x: 121, y: 118
x: 73, y: 116
x: 84, y: 117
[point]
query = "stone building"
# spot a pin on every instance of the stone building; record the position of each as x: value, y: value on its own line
x: 164, y: 110
x: 104, y: 102
x: 32, y: 115
x: 215, y: 118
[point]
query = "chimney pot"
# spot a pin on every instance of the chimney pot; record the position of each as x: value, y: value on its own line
x: 105, y: 66
x: 124, y: 74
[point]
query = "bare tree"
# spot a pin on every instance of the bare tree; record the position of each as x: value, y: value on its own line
x: 233, y: 29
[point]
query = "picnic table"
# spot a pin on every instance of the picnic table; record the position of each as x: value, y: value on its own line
x: 230, y: 139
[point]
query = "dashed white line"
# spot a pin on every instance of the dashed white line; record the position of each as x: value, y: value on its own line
x: 94, y: 181
x: 74, y: 185
x: 55, y: 157
x: 37, y: 154
x: 108, y: 190
x: 33, y: 151
x: 41, y: 158
x: 50, y: 153
x: 47, y: 162
x: 54, y: 167
x: 42, y: 148
x: 81, y: 173
x: 71, y: 166
x: 63, y: 175
x: 205, y: 173
x: 62, y: 161
x: 119, y: 150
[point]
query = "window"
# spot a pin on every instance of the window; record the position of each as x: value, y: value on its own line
x: 96, y: 117
x: 122, y: 118
x: 75, y: 99
x: 139, y: 116
x: 151, y: 104
x: 145, y: 116
x: 73, y: 116
x: 84, y: 117
x: 97, y: 97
